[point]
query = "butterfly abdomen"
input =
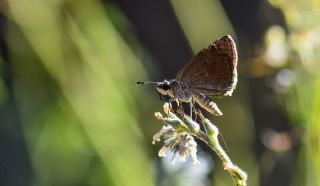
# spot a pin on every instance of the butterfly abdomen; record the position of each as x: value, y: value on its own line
x: 207, y: 104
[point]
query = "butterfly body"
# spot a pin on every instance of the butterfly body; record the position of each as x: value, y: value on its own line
x: 180, y: 91
x: 211, y: 73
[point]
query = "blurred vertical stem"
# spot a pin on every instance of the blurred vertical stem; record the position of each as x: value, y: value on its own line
x: 210, y: 21
x: 314, y: 129
x: 84, y: 54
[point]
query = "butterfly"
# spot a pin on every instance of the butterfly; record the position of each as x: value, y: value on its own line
x: 210, y: 73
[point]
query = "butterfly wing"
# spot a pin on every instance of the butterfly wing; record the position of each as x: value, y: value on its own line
x: 213, y: 70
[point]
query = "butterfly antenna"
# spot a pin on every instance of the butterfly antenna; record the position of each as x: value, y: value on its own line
x: 147, y: 82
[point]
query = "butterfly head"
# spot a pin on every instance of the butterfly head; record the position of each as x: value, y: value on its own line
x: 163, y: 87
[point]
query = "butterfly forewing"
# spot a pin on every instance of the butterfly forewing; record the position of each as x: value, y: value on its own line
x: 213, y: 70
x: 215, y: 76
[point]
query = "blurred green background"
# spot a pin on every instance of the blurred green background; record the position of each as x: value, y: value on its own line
x: 72, y: 114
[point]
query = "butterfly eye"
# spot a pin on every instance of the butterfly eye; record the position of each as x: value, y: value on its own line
x: 166, y: 86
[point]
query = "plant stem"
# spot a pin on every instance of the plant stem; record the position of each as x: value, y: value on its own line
x: 210, y: 137
x: 183, y: 123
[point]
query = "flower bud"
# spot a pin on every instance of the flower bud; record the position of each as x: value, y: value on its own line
x: 211, y: 130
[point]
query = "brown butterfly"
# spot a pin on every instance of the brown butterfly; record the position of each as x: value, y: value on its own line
x: 212, y: 72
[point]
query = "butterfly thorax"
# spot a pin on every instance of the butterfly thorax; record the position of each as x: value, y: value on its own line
x: 175, y: 89
x: 180, y: 90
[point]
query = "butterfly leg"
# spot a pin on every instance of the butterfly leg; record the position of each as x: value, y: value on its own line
x: 179, y: 105
x: 191, y: 108
x: 181, y: 110
x: 198, y: 113
x: 195, y: 113
x: 170, y: 105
